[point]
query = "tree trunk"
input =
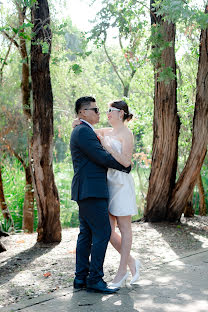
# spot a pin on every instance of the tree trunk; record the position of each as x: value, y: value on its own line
x: 126, y: 90
x: 165, y: 129
x: 202, y: 202
x: 3, y: 204
x: 28, y: 209
x: 49, y: 227
x: 25, y: 84
x: 189, y: 211
x: 190, y: 173
x: 2, y: 247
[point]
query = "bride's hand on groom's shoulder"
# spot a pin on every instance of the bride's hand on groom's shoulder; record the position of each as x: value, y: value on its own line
x: 102, y: 140
x: 76, y: 122
x: 104, y: 143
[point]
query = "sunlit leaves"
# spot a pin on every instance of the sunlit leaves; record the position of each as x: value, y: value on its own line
x: 43, y: 44
x: 76, y: 68
x: 45, y: 47
x: 26, y: 3
x: 166, y: 74
x: 179, y: 10
x: 2, y: 61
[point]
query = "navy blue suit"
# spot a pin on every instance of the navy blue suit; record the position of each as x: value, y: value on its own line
x: 89, y: 189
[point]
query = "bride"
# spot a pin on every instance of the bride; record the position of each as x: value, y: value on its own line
x: 118, y: 141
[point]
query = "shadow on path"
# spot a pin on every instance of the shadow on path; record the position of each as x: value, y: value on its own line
x: 23, y: 260
x: 181, y: 237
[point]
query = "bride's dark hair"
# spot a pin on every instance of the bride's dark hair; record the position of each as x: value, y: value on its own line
x: 122, y: 105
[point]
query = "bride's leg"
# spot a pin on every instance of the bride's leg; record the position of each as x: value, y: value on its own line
x: 115, y: 238
x: 116, y: 242
x: 124, y: 246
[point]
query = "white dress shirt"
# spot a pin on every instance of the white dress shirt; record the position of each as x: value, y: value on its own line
x: 87, y: 123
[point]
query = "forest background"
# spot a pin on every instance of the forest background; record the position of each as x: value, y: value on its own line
x: 114, y: 60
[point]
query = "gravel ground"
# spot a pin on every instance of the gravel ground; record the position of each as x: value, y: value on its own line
x: 28, y: 269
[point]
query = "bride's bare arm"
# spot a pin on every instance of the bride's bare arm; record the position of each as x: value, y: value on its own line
x: 103, y: 131
x: 127, y: 149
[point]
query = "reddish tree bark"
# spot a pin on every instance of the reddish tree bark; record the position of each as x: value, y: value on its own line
x: 189, y: 210
x: 25, y: 84
x: 202, y: 202
x: 28, y: 208
x: 190, y: 173
x: 49, y: 227
x: 165, y: 127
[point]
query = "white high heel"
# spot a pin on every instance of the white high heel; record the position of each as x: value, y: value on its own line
x: 119, y: 284
x: 136, y: 275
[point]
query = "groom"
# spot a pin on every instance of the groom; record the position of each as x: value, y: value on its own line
x: 89, y: 189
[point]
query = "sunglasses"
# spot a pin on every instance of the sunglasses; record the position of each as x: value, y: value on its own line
x: 111, y: 109
x: 95, y: 109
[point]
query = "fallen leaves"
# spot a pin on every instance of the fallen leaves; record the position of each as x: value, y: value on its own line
x: 47, y: 274
x: 22, y: 241
x: 72, y: 251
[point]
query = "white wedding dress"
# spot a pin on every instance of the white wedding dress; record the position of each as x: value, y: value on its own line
x: 122, y: 197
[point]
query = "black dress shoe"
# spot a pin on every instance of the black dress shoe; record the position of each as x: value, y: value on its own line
x: 101, y: 287
x: 79, y: 284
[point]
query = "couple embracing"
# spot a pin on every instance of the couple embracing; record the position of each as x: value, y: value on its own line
x: 104, y: 191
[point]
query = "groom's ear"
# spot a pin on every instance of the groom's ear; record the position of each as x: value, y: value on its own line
x: 81, y: 113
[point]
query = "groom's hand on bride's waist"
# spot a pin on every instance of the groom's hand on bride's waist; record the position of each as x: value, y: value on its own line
x: 127, y: 169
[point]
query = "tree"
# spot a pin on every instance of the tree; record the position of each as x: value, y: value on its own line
x: 166, y: 121
x: 49, y: 227
x: 180, y: 192
x: 190, y: 173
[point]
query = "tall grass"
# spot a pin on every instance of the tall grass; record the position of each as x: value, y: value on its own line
x: 14, y: 182
x: 141, y: 187
x: 14, y: 185
x: 63, y: 173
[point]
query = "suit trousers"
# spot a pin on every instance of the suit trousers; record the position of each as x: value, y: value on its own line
x: 95, y: 232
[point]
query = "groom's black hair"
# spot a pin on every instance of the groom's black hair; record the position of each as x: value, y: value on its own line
x: 83, y: 101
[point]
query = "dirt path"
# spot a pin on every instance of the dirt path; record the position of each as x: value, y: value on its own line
x: 28, y: 270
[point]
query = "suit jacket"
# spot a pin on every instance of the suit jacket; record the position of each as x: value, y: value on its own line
x: 90, y: 162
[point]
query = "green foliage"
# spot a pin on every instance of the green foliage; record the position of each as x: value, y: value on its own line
x: 44, y: 45
x: 76, y: 69
x: 14, y: 182
x: 166, y: 74
x: 181, y: 11
x: 158, y: 40
x: 27, y: 3
x: 128, y: 18
x: 69, y: 210
x: 124, y: 15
